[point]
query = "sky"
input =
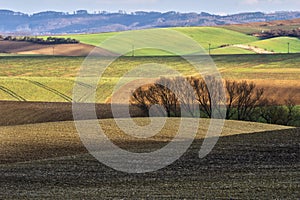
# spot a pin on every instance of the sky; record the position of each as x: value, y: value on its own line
x: 211, y: 6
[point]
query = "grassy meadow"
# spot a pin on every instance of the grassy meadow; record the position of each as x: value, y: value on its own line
x: 51, y: 79
x: 279, y: 45
x: 220, y: 40
x: 203, y: 35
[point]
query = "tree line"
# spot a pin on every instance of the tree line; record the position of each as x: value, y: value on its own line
x: 49, y: 40
x: 212, y: 97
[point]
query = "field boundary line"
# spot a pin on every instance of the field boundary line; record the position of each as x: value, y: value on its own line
x: 65, y: 97
x: 12, y: 93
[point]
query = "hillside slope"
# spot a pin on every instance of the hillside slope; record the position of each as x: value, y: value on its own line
x: 216, y: 39
x: 46, y: 140
x: 51, y: 22
x: 28, y: 48
x: 215, y: 36
x: 279, y: 44
x: 203, y: 35
x: 256, y: 165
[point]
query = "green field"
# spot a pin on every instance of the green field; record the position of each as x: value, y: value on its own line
x: 51, y: 79
x: 279, y: 44
x: 216, y: 37
x: 49, y: 66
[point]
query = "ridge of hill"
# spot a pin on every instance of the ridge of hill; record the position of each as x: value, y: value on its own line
x: 81, y: 21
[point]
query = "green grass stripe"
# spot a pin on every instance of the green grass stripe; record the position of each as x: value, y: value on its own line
x: 12, y: 93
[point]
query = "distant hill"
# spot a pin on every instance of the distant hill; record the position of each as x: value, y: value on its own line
x: 81, y: 21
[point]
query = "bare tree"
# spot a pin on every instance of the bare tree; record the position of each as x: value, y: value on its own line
x: 158, y: 93
x: 185, y: 95
x: 163, y: 92
x: 248, y: 98
x: 231, y: 88
x: 140, y: 98
x: 172, y: 93
x: 209, y: 95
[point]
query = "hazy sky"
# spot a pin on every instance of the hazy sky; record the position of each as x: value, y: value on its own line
x: 212, y: 6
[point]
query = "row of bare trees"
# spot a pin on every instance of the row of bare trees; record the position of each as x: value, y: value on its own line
x: 49, y: 40
x: 213, y: 98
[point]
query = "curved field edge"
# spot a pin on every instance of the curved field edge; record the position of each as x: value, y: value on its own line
x: 55, y: 139
x: 256, y: 165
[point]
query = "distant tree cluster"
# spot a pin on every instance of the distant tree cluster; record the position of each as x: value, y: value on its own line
x: 278, y: 33
x: 49, y: 40
x: 243, y: 100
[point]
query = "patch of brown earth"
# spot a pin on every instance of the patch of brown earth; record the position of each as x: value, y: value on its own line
x: 19, y: 47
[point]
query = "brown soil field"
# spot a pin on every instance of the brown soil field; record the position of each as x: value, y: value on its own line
x: 49, y: 140
x: 276, y: 23
x: 250, y: 161
x: 16, y: 113
x: 20, y: 47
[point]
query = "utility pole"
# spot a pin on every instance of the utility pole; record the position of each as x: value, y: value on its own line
x: 53, y: 50
x: 288, y: 47
x: 209, y: 45
x: 132, y: 50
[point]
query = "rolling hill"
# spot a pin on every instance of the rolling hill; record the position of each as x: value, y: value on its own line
x: 220, y: 40
x: 48, y: 161
x: 217, y: 37
x: 48, y: 78
x: 36, y: 136
x: 52, y: 22
x: 279, y: 44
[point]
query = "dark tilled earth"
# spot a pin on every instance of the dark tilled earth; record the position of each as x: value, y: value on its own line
x: 16, y: 113
x: 250, y: 166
